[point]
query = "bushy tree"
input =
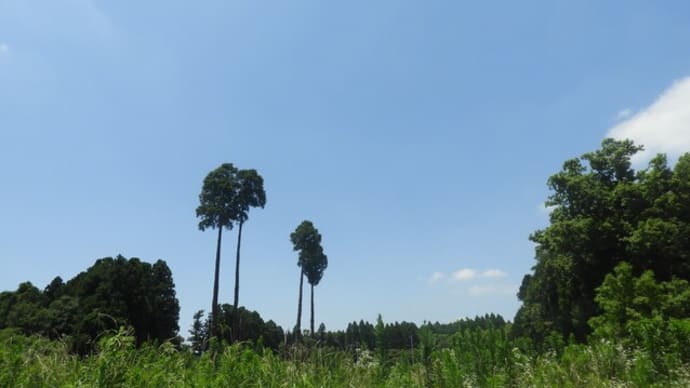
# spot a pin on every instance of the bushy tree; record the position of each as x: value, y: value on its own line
x: 604, y: 213
x: 124, y: 291
x: 644, y: 313
x: 111, y: 293
x: 625, y: 299
x: 251, y: 327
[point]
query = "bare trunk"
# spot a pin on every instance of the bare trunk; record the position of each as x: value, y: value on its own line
x: 214, y: 303
x: 235, y: 304
x: 298, y: 326
x: 312, y: 310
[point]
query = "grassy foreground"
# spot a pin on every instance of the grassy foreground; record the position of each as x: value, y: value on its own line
x: 37, y: 362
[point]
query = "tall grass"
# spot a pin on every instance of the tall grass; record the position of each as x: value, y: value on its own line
x: 483, y: 358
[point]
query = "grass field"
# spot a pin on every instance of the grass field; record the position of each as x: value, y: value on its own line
x: 474, y: 359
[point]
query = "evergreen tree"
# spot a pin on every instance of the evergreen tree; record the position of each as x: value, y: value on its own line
x: 217, y: 210
x: 198, y: 334
x: 307, y: 241
x: 227, y: 195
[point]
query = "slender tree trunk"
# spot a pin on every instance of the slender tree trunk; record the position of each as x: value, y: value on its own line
x: 235, y: 304
x: 298, y: 326
x: 214, y: 304
x: 312, y: 310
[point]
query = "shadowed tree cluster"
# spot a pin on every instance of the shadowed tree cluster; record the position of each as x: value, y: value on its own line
x: 251, y: 328
x: 111, y: 293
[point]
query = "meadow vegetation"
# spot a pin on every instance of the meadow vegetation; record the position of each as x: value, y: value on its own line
x: 472, y: 357
x: 607, y: 304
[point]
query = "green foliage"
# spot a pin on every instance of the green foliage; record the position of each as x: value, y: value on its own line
x: 483, y: 357
x: 198, y: 333
x: 252, y: 329
x: 217, y: 201
x: 381, y: 345
x: 479, y: 322
x: 645, y: 314
x: 396, y: 336
x: 120, y: 291
x: 427, y: 343
x: 250, y: 194
x: 604, y: 213
x: 112, y: 292
x: 624, y: 298
x: 305, y: 238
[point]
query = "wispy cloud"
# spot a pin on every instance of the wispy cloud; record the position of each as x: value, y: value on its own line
x: 465, y: 274
x: 436, y: 277
x: 493, y: 273
x: 475, y: 282
x: 493, y: 289
x: 624, y: 114
x: 546, y: 210
x: 663, y: 126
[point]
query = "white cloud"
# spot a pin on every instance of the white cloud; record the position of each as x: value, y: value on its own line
x: 469, y: 274
x: 624, y: 114
x: 465, y: 274
x: 493, y: 289
x: 662, y: 127
x: 546, y: 210
x: 493, y: 273
x: 436, y: 276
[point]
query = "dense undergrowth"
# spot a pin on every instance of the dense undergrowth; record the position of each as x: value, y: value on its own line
x: 484, y: 358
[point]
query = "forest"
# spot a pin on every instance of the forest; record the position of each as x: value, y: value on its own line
x: 607, y: 303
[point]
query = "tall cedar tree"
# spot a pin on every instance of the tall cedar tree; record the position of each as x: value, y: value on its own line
x: 217, y: 209
x: 251, y: 194
x: 313, y: 270
x: 307, y: 241
x: 226, y: 196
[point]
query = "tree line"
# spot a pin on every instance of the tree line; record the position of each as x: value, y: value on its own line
x: 613, y: 262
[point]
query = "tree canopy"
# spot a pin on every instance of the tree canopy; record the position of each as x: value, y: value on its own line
x: 604, y: 213
x: 252, y: 328
x: 226, y: 196
x: 217, y: 200
x: 109, y: 294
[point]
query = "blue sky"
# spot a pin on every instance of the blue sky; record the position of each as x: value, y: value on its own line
x: 417, y: 136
